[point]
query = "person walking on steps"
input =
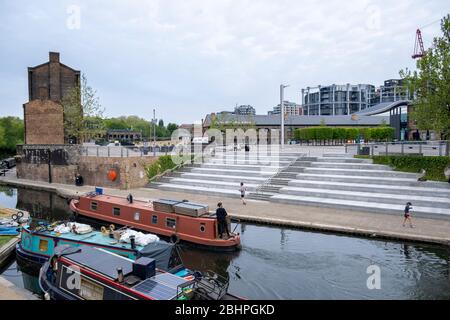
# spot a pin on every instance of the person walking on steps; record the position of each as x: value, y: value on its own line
x: 408, y: 210
x: 242, y: 190
x: 222, y: 224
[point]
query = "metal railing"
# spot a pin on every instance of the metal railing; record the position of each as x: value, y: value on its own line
x: 124, y: 152
x: 423, y: 148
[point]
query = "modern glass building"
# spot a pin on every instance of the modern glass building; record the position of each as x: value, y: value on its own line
x: 337, y: 99
x: 347, y: 99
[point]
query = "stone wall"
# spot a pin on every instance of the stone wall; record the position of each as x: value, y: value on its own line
x: 44, y: 122
x: 61, y: 164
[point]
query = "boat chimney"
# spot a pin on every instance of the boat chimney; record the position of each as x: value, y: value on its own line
x: 119, y: 275
x: 133, y: 242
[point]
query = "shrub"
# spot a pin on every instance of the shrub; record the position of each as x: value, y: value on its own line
x: 159, y: 166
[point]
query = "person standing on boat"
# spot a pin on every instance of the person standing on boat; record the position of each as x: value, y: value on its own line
x: 222, y: 224
x: 242, y: 190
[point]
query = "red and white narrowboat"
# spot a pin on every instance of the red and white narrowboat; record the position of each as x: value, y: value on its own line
x: 177, y: 220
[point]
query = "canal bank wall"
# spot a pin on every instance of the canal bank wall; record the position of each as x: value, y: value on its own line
x: 332, y: 220
x: 9, y: 291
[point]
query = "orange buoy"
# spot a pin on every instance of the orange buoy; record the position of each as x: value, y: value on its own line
x: 112, y: 175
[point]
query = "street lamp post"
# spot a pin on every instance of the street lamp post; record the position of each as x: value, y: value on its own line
x: 154, y: 133
x: 282, y: 112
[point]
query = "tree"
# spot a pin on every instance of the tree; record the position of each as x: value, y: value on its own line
x: 161, y: 123
x: 13, y: 132
x: 2, y: 138
x: 171, y: 127
x: 431, y: 84
x: 82, y: 110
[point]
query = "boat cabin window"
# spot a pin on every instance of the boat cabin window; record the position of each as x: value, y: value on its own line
x: 94, y: 205
x: 90, y: 290
x: 171, y: 223
x: 116, y: 211
x: 43, y: 245
x: 154, y: 219
x: 137, y: 216
x: 202, y: 227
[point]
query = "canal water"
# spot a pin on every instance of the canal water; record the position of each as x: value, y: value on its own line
x: 281, y: 263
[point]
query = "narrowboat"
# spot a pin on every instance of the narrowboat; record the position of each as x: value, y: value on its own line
x: 37, y: 244
x: 177, y: 220
x: 88, y: 273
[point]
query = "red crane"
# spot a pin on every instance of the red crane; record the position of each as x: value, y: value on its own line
x: 419, y: 51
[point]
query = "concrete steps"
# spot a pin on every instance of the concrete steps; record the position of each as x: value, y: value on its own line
x: 202, y: 190
x: 350, y: 165
x: 342, y: 160
x: 332, y: 180
x: 431, y: 212
x: 231, y: 185
x: 219, y: 177
x: 252, y: 167
x: 400, y: 199
x: 360, y: 172
x: 423, y: 188
x: 256, y: 173
x: 367, y: 180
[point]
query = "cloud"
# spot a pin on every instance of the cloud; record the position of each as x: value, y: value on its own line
x: 192, y: 57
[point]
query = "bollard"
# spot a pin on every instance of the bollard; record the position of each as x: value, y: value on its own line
x: 440, y: 148
x: 386, y: 148
x: 97, y: 151
x: 403, y: 147
x: 108, y: 151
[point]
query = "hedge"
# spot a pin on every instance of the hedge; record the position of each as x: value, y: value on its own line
x: 340, y: 134
x: 159, y: 166
x: 434, y: 166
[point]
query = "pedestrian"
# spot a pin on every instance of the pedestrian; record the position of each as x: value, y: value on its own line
x: 408, y: 209
x: 242, y: 190
x: 222, y: 224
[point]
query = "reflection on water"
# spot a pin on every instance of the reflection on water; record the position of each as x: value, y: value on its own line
x: 277, y: 263
x: 43, y: 205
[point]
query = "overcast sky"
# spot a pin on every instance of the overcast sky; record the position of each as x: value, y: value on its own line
x: 189, y: 58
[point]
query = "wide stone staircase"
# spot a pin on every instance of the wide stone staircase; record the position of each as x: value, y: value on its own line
x: 340, y: 181
x: 222, y: 174
x: 334, y: 180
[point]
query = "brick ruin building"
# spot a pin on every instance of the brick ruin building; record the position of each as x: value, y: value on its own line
x: 46, y: 154
x: 48, y: 84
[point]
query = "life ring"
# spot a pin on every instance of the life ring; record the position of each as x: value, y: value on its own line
x: 103, y: 230
x: 112, y: 227
x: 20, y: 214
x: 14, y: 216
x: 174, y: 239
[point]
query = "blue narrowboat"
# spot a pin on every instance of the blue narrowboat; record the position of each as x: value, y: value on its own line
x: 36, y: 246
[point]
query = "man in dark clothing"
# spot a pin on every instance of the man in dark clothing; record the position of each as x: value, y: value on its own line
x: 222, y: 225
x: 407, y: 215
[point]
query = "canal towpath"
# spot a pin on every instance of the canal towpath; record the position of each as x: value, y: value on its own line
x: 368, y: 224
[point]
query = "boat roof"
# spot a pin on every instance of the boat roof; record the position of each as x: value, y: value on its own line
x: 162, y: 286
x: 94, y: 237
x: 114, y: 200
x: 101, y: 261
